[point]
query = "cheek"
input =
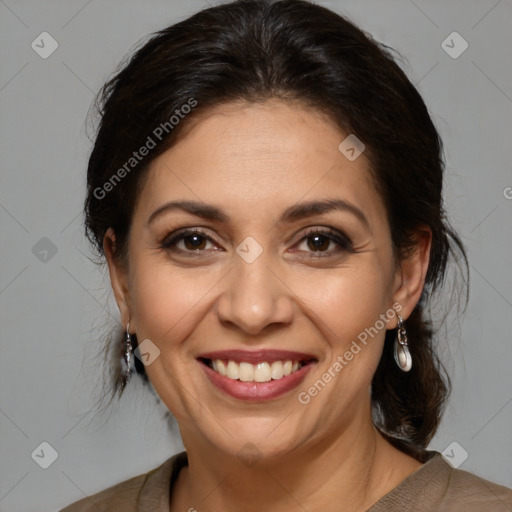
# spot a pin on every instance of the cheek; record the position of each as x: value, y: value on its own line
x: 345, y: 307
x: 346, y: 301
x: 168, y: 301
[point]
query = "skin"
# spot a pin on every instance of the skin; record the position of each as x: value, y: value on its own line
x: 253, y: 161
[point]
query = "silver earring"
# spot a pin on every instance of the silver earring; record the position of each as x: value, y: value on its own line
x: 126, y: 360
x: 401, y: 350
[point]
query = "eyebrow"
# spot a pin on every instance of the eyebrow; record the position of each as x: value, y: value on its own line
x: 292, y: 214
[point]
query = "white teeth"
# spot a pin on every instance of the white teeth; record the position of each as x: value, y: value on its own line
x: 261, y: 372
x: 245, y: 372
x: 221, y: 367
x: 276, y: 370
x: 232, y: 370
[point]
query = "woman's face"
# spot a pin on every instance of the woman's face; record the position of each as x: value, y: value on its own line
x: 255, y: 286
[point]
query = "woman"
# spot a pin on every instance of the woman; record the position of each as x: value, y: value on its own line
x: 266, y: 188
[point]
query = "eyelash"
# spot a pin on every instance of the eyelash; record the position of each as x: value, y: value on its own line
x: 344, y: 243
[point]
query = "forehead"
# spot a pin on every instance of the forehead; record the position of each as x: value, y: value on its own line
x: 257, y: 157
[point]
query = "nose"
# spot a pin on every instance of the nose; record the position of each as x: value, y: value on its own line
x: 256, y: 297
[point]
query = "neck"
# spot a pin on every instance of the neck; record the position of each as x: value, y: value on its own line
x: 349, y: 472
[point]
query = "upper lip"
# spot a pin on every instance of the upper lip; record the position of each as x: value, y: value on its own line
x: 257, y: 356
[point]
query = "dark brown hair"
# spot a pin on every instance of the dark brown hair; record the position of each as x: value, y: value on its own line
x: 254, y: 50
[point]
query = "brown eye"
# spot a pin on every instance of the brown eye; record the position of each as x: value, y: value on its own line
x: 318, y: 241
x: 194, y: 242
x: 191, y: 241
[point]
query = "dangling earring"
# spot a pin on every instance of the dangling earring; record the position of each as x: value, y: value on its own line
x: 126, y: 360
x: 401, y: 350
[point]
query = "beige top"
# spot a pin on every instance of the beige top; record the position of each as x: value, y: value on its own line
x: 434, y: 487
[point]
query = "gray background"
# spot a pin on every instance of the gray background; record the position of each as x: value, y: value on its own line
x: 53, y: 312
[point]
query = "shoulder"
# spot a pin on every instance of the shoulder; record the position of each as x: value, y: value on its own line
x: 146, y: 491
x: 439, y: 487
x: 122, y: 496
x: 468, y: 492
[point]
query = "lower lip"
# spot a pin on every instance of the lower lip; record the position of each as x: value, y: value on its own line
x: 257, y: 391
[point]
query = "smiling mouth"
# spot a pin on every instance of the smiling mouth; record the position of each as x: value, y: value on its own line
x: 260, y: 372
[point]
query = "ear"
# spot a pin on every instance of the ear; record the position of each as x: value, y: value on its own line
x: 118, y: 277
x: 410, y: 275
